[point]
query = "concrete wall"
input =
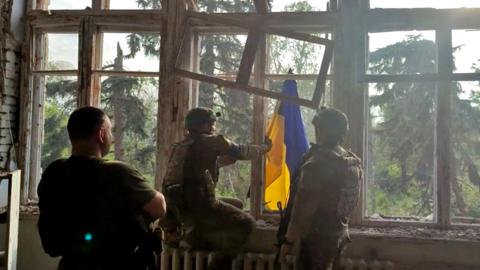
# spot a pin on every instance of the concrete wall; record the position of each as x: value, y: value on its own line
x: 406, y: 253
x: 30, y: 252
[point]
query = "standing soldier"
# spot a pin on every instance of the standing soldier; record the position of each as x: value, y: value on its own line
x: 328, y: 190
x: 189, y: 187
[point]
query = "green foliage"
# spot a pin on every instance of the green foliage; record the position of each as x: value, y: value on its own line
x: 59, y: 103
x: 401, y: 136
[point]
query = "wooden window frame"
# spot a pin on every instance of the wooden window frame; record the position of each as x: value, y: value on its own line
x: 443, y: 22
x: 350, y: 24
x: 88, y: 24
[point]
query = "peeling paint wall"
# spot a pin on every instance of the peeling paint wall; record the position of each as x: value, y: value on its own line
x: 9, y: 88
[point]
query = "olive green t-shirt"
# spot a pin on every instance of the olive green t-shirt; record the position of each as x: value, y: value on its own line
x: 90, y: 202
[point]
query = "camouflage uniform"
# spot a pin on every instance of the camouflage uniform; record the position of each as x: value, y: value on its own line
x: 336, y: 174
x: 211, y: 223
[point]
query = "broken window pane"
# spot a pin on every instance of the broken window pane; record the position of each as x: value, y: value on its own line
x: 131, y: 103
x: 62, y: 51
x: 465, y: 45
x: 400, y: 151
x: 465, y: 190
x: 236, y: 123
x: 393, y: 53
x: 60, y: 101
x: 296, y: 5
x: 131, y: 52
x: 300, y: 56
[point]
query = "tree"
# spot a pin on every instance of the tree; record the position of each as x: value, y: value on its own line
x: 402, y: 133
x: 131, y: 102
x: 59, y: 103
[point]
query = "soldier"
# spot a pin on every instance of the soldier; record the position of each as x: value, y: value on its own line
x: 189, y: 186
x: 328, y: 190
x: 95, y: 213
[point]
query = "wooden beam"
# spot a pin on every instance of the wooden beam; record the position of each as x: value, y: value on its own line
x: 444, y: 148
x: 258, y: 26
x: 85, y: 63
x: 399, y: 78
x: 248, y: 89
x: 348, y: 92
x: 126, y: 73
x: 373, y: 78
x: 259, y: 119
x: 174, y: 94
x: 248, y: 57
x: 312, y: 20
x: 320, y: 86
x: 72, y: 72
x: 58, y: 18
x: 382, y: 20
x: 26, y: 79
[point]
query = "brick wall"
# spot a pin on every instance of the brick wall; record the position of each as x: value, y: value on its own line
x: 9, y: 87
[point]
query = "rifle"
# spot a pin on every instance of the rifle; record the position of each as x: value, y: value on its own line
x: 285, y: 214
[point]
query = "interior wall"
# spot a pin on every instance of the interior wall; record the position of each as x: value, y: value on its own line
x: 30, y: 251
x: 11, y: 16
x: 405, y: 252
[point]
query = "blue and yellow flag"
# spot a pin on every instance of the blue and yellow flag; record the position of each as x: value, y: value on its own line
x: 289, y: 143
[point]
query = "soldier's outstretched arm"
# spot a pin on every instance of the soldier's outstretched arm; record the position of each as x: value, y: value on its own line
x: 249, y: 151
x: 230, y: 151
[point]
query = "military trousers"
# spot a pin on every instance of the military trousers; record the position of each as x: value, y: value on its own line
x: 322, y: 246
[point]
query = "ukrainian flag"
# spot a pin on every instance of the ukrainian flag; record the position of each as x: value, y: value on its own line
x: 289, y: 143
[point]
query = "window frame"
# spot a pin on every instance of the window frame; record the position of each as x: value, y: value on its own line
x: 380, y: 20
x: 352, y: 30
x: 88, y: 24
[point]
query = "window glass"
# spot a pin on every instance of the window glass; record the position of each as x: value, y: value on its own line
x: 216, y: 6
x: 394, y: 53
x: 424, y: 4
x: 465, y: 50
x: 300, y: 56
x: 62, y: 51
x: 132, y: 104
x: 60, y: 102
x: 465, y: 190
x: 68, y: 4
x: 297, y: 6
x: 220, y: 55
x: 400, y: 151
x: 131, y: 52
x: 134, y: 4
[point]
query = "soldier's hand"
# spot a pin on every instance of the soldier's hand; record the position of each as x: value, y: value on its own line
x: 268, y: 144
x: 285, y: 250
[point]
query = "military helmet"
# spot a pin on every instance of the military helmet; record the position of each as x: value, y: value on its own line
x: 199, y: 116
x: 331, y: 121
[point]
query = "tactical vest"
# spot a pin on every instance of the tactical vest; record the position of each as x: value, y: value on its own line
x: 350, y: 183
x: 176, y: 163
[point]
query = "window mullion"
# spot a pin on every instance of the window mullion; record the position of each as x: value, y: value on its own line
x: 86, y: 95
x: 443, y: 146
x: 258, y: 165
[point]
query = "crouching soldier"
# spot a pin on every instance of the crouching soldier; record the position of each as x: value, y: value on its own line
x: 189, y: 186
x: 327, y: 192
